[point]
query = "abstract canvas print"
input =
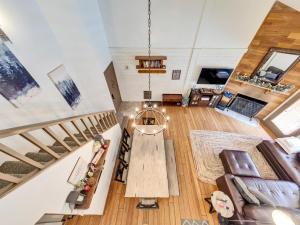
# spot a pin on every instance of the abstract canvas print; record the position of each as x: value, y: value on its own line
x: 65, y: 85
x: 16, y: 84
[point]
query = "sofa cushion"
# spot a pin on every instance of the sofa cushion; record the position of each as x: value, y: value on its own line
x: 245, y: 193
x: 263, y: 199
x: 287, y: 167
x: 282, y: 193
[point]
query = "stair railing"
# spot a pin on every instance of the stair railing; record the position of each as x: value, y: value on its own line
x: 77, y: 131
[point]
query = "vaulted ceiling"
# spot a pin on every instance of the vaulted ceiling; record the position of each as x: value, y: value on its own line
x: 184, y: 24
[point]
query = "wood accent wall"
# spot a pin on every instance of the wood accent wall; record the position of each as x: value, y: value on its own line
x: 281, y: 29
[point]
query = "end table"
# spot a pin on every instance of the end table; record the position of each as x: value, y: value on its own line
x: 220, y: 203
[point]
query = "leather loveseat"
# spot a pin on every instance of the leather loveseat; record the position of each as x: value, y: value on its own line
x: 284, y: 194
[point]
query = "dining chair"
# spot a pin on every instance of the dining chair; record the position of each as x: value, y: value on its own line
x: 120, y: 172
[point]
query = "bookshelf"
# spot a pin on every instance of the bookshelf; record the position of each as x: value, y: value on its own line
x: 155, y: 64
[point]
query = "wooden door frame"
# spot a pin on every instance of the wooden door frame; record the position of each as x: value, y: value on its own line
x: 111, y: 64
x: 268, y: 120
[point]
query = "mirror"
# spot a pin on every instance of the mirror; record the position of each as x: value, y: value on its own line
x: 276, y: 64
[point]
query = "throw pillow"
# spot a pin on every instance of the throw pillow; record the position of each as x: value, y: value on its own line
x: 261, y: 197
x: 245, y: 193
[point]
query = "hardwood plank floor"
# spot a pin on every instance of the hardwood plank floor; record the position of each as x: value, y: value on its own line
x: 190, y: 204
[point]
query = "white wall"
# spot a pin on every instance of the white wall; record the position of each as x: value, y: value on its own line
x: 192, y: 34
x: 46, y: 34
x: 132, y: 84
x: 201, y: 58
x: 174, y: 22
x: 231, y: 24
x: 47, y: 192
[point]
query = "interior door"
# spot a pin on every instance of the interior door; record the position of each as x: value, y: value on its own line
x: 286, y: 120
x: 112, y: 83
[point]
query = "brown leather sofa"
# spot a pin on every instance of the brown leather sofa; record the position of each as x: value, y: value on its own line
x: 287, y: 167
x: 284, y: 194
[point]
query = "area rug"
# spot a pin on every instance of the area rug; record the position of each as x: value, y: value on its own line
x: 207, y: 145
x: 193, y: 222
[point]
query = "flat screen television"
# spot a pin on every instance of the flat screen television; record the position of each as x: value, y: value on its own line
x: 215, y: 76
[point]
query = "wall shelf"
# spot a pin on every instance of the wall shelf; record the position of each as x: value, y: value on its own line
x: 97, y: 175
x: 266, y: 90
x: 154, y: 65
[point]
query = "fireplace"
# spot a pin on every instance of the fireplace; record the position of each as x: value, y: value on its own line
x: 246, y: 105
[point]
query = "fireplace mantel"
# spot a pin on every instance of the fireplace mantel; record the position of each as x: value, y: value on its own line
x: 282, y: 89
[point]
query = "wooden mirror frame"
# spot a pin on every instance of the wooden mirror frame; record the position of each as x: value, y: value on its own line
x: 268, y: 55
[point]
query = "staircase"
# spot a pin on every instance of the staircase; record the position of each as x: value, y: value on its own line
x: 79, y: 130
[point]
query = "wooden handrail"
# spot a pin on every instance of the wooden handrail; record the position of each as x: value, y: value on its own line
x: 27, y: 128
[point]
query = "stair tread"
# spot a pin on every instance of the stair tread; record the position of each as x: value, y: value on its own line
x: 39, y: 156
x: 87, y: 133
x: 80, y: 139
x: 78, y: 136
x: 16, y: 167
x: 70, y: 143
x: 57, y: 149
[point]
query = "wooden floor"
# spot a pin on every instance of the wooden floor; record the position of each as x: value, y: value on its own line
x: 190, y: 204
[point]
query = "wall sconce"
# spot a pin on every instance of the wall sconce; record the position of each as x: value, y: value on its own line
x: 4, y: 37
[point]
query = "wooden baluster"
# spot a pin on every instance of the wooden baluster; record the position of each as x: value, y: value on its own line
x: 55, y: 137
x: 7, y: 150
x: 64, y: 127
x: 10, y: 178
x: 100, y: 125
x: 79, y: 130
x: 87, y: 127
x: 36, y: 142
x: 91, y: 121
x: 111, y: 114
x: 101, y: 120
x: 114, y: 115
x: 110, y: 122
x: 105, y: 121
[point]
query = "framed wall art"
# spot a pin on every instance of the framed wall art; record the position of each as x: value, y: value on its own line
x: 176, y: 74
x: 65, y: 85
x: 16, y: 84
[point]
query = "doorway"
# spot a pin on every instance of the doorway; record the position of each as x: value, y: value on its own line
x: 112, y: 83
x: 285, y: 121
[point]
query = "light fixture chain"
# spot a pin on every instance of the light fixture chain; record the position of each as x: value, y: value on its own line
x: 149, y: 110
x: 149, y: 48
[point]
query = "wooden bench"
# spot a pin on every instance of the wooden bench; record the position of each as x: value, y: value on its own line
x: 171, y: 168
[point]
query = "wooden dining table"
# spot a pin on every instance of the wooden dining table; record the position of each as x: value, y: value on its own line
x: 147, y: 174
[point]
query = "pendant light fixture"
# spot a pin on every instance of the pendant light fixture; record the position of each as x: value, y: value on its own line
x: 150, y: 114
